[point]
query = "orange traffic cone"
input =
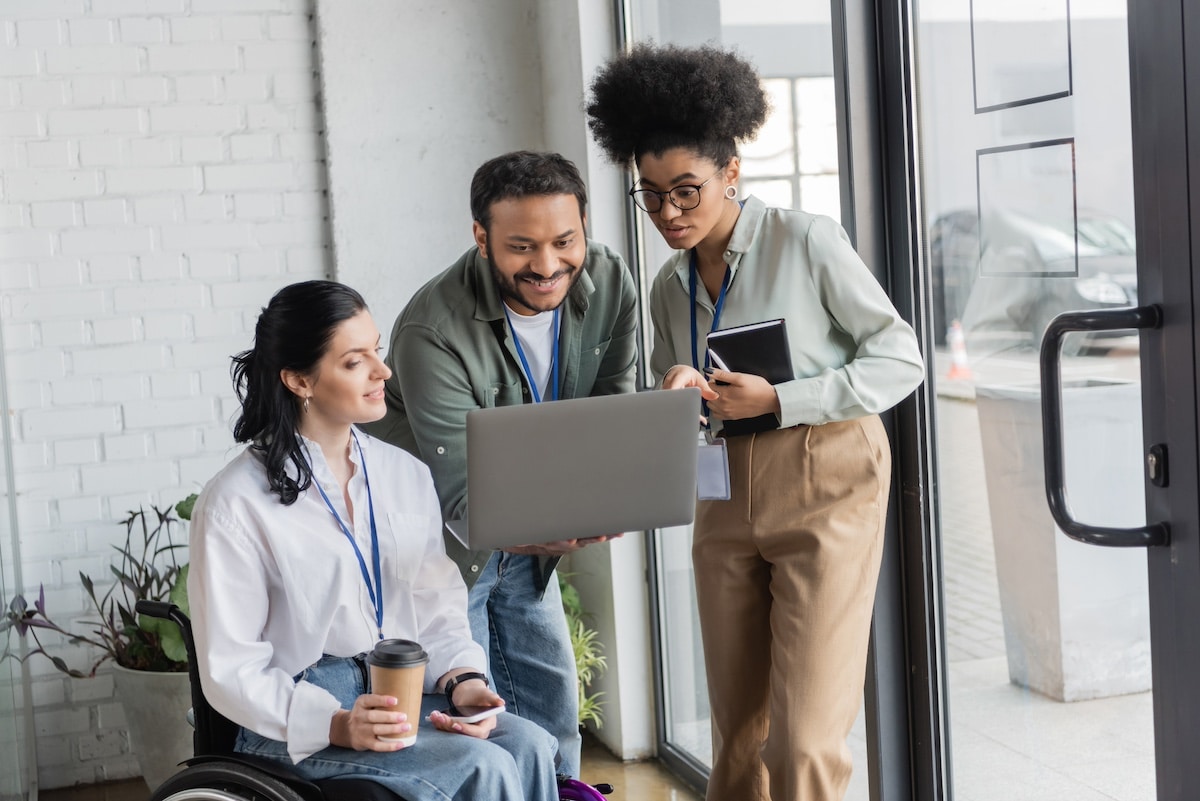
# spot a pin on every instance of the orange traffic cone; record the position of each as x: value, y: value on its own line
x: 959, y: 368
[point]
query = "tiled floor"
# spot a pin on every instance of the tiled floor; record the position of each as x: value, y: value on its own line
x: 631, y: 781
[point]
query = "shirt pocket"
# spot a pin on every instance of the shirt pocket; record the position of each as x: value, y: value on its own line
x: 590, y: 358
x: 410, y: 533
x: 503, y: 394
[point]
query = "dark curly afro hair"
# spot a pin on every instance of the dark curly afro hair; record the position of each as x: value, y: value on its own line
x: 658, y: 97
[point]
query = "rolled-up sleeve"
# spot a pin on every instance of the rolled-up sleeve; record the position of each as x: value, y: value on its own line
x: 886, y: 363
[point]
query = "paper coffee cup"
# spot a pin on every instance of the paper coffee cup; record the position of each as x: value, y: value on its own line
x: 398, y: 669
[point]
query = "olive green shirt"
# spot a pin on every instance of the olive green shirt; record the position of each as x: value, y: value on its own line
x: 452, y: 351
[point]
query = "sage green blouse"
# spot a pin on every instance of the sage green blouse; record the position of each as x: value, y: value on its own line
x: 852, y: 354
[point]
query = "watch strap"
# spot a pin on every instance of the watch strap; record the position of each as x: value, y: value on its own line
x: 454, y: 681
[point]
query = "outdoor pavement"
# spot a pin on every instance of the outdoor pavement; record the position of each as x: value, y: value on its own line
x: 1010, y: 743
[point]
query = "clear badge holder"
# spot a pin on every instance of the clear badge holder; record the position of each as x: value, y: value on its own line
x: 712, y: 469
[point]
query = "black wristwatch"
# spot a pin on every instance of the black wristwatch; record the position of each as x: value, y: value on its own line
x: 454, y: 681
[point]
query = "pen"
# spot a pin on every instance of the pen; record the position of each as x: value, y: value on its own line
x: 717, y: 361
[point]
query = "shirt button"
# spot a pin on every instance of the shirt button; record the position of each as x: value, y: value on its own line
x: 495, y: 390
x: 597, y: 351
x: 474, y: 568
x: 440, y: 450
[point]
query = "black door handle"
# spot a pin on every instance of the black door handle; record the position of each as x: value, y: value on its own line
x: 1052, y: 429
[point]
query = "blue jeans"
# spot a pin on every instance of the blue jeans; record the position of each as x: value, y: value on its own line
x: 524, y: 633
x: 515, y: 763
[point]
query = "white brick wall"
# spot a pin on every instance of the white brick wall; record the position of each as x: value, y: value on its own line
x: 163, y: 175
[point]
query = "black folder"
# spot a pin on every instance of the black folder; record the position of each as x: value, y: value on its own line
x: 759, y: 349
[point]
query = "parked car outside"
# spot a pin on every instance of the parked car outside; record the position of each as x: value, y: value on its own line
x: 1006, y: 286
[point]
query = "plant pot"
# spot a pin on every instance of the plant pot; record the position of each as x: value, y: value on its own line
x: 156, y: 706
x: 1076, y: 617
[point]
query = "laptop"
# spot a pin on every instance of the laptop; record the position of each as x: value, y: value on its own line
x: 585, y: 467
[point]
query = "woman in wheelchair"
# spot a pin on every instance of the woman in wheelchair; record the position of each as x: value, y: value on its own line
x: 316, y: 542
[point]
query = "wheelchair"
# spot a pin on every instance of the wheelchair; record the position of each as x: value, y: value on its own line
x: 217, y: 773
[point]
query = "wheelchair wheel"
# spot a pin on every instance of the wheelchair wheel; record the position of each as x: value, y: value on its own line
x: 574, y: 790
x: 223, y: 781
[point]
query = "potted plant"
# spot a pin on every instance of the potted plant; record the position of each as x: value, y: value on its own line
x: 148, y: 656
x: 590, y: 661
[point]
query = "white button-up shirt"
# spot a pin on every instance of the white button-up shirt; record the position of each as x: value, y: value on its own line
x: 272, y: 587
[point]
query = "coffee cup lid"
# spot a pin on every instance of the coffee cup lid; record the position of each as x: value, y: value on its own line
x: 397, y: 653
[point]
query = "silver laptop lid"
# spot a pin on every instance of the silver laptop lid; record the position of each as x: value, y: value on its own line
x: 577, y: 468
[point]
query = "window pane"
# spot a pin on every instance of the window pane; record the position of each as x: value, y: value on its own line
x: 773, y: 151
x: 773, y: 193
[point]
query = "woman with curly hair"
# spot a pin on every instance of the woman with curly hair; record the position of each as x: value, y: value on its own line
x: 786, y: 568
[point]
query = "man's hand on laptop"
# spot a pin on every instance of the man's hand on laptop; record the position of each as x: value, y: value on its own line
x: 560, y: 547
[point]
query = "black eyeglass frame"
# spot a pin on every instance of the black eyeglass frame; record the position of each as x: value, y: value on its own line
x: 643, y: 192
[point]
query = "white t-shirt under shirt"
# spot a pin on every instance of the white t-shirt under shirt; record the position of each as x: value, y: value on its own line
x: 536, y: 335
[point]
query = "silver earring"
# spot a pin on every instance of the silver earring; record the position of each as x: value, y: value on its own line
x: 306, y: 400
x: 731, y: 192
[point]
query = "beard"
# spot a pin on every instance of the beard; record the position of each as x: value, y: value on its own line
x: 510, y: 288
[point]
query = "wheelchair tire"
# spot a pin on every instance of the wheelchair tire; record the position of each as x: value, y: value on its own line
x: 575, y: 790
x: 223, y: 781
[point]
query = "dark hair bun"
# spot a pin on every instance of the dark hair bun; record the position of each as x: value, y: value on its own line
x: 659, y: 96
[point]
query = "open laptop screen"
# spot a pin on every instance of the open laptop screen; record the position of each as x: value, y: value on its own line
x: 577, y: 468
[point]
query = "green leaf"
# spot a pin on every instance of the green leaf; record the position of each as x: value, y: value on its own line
x: 179, y: 595
x: 184, y: 507
x: 170, y: 638
x: 572, y: 604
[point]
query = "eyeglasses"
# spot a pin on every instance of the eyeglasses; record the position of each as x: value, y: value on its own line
x: 684, y: 197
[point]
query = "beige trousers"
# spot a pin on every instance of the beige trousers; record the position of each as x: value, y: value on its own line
x: 785, y: 577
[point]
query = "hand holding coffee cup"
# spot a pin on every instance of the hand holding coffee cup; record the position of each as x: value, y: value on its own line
x: 364, y: 726
x: 398, y: 669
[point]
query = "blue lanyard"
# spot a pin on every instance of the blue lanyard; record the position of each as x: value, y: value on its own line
x: 376, y: 591
x: 537, y: 395
x: 692, y: 281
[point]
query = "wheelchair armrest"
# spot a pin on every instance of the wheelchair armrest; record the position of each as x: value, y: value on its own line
x: 159, y: 609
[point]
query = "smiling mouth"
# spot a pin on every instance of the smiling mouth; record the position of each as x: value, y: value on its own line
x: 544, y: 284
x: 376, y: 395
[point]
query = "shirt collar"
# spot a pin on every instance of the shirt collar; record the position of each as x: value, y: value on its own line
x: 316, y: 456
x: 745, y: 232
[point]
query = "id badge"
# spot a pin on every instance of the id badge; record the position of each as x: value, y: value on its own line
x: 712, y: 471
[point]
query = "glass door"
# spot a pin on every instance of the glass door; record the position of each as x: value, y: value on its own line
x: 1065, y: 664
x: 1027, y: 176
